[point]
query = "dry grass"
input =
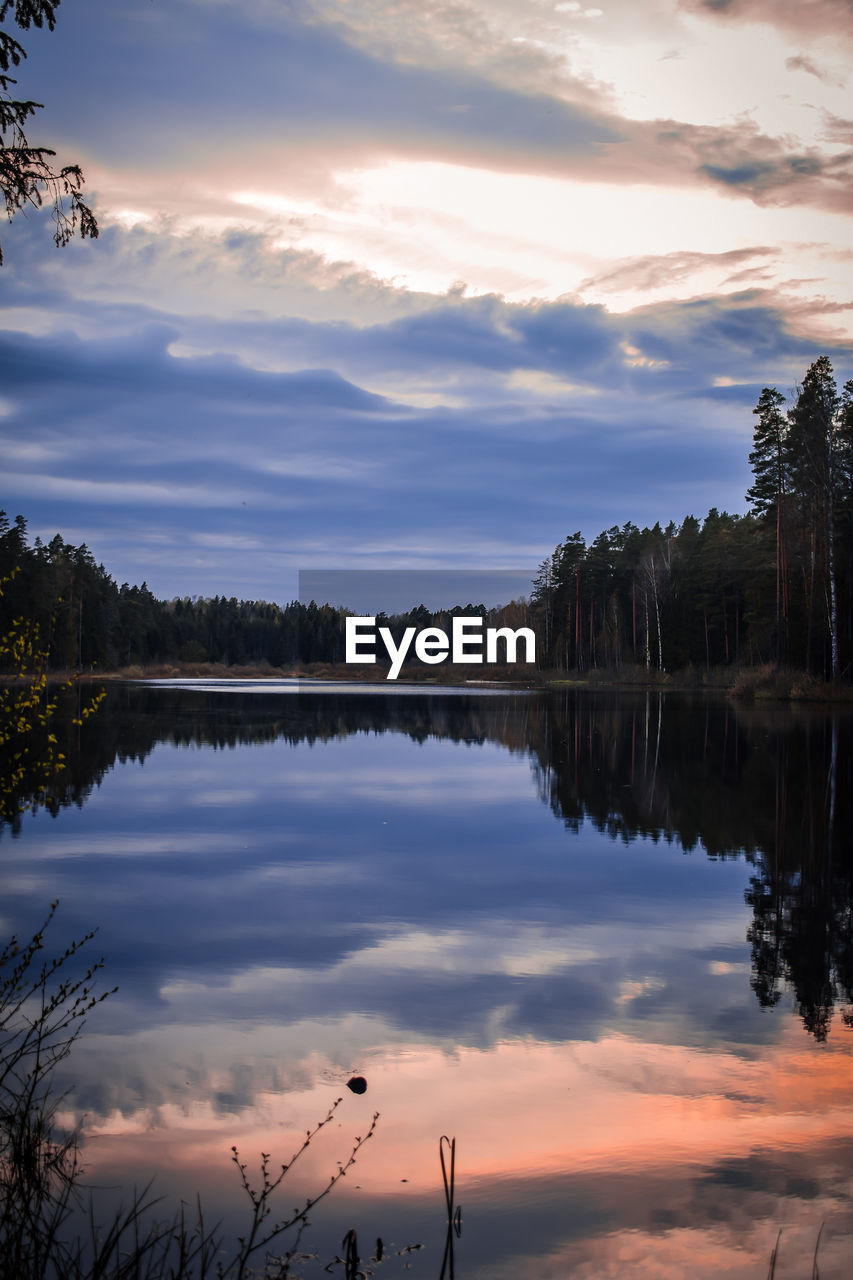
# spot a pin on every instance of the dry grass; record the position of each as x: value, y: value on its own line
x: 770, y: 681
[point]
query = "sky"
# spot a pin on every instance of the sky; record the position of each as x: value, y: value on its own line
x: 416, y: 283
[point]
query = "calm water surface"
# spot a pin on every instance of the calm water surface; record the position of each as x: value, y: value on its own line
x: 604, y: 942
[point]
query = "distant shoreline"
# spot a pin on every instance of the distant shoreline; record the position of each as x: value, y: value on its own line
x: 744, y: 684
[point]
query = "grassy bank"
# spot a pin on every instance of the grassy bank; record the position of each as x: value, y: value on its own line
x: 744, y: 683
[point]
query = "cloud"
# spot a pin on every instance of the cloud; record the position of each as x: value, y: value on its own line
x: 802, y: 63
x: 813, y: 18
x: 837, y: 130
x: 540, y: 416
x: 306, y: 72
x: 655, y: 270
x: 738, y: 158
x: 31, y: 367
x: 297, y: 102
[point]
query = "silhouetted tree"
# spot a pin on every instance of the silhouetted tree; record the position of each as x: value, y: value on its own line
x: 769, y: 460
x: 813, y: 459
x: 27, y: 175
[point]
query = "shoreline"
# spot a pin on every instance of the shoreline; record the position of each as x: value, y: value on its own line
x: 764, y: 683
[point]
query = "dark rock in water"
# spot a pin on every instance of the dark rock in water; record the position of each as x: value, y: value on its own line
x: 358, y: 1084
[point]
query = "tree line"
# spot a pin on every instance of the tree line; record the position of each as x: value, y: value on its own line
x: 775, y: 585
x: 85, y: 620
x: 772, y: 586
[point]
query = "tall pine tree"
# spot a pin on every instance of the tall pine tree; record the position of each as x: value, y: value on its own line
x: 813, y: 452
x: 770, y: 466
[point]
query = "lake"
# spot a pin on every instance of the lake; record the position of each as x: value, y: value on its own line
x: 604, y: 942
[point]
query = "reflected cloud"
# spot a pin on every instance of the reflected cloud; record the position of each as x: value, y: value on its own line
x: 610, y: 1105
x: 617, y: 1151
x: 222, y: 799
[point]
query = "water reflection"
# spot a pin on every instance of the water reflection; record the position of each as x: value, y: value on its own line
x: 296, y: 889
x: 767, y: 783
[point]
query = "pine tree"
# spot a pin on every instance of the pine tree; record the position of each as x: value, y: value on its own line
x: 813, y: 453
x: 770, y: 465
